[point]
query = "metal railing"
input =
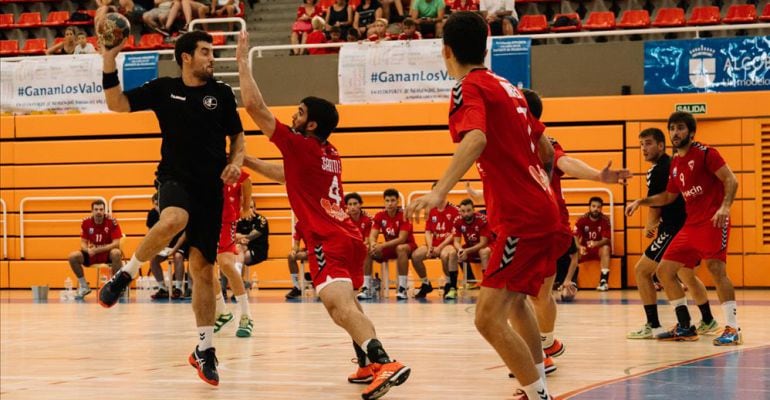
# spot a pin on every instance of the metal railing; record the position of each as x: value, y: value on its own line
x: 26, y: 200
x: 5, y: 229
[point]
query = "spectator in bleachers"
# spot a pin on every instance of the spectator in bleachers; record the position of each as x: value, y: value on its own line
x: 410, y: 31
x: 156, y: 18
x: 594, y: 234
x: 429, y: 14
x: 188, y: 8
x: 99, y: 244
x: 83, y: 47
x: 353, y: 35
x: 252, y: 235
x: 302, y: 26
x: 335, y: 36
x: 501, y: 16
x: 296, y: 255
x: 379, y: 30
x: 339, y: 15
x: 220, y: 9
x: 395, y: 10
x: 176, y: 249
x: 366, y: 13
x: 318, y: 35
x: 68, y: 45
x: 464, y: 5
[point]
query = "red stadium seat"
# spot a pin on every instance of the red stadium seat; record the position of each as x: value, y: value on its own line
x: 600, y: 21
x: 568, y: 28
x: 29, y: 20
x: 219, y: 40
x: 57, y: 18
x: 765, y: 17
x: 130, y: 44
x: 741, y: 14
x: 635, y: 19
x: 532, y: 24
x: 150, y: 41
x: 669, y: 17
x: 34, y: 46
x: 9, y: 47
x: 58, y: 40
x: 241, y: 11
x: 6, y: 21
x: 708, y: 15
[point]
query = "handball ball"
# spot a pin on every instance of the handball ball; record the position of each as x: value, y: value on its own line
x: 112, y: 30
x: 568, y: 292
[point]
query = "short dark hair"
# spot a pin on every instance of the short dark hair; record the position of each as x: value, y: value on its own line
x: 390, y: 193
x: 354, y: 33
x: 323, y: 113
x: 596, y: 199
x: 683, y: 117
x: 656, y: 135
x: 98, y: 202
x: 534, y: 102
x: 466, y: 34
x: 408, y: 22
x: 353, y: 195
x: 187, y: 43
x: 467, y: 202
x: 335, y: 29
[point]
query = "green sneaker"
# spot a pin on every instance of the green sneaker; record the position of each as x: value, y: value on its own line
x: 244, y: 327
x: 451, y: 294
x: 646, y: 332
x: 222, y: 320
x: 704, y: 328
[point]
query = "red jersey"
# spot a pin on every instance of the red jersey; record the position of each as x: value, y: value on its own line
x: 587, y: 229
x: 519, y: 199
x: 414, y: 36
x: 316, y: 37
x: 313, y: 172
x: 556, y: 182
x: 391, y: 227
x: 694, y: 175
x: 375, y: 37
x: 472, y: 231
x: 469, y: 5
x: 317, y: 11
x: 440, y: 223
x: 297, y: 235
x: 231, y: 209
x: 364, y: 224
x: 100, y: 234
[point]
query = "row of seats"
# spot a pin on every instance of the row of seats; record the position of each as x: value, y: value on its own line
x: 148, y: 41
x: 35, y: 20
x: 638, y: 19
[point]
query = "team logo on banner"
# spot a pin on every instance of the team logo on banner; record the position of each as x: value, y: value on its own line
x: 703, y: 67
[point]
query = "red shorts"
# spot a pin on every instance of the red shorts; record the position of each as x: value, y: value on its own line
x: 591, y: 254
x: 522, y: 264
x: 227, y: 238
x: 100, y: 258
x: 563, y: 241
x: 694, y: 243
x: 389, y: 253
x: 337, y: 258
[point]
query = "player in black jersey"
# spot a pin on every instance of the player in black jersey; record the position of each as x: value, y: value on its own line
x: 196, y: 115
x: 667, y: 221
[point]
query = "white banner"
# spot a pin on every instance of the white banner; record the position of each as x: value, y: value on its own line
x: 393, y: 72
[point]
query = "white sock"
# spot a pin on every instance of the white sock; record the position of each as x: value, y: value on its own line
x: 731, y: 313
x: 679, y: 302
x: 239, y: 267
x: 205, y: 334
x: 243, y: 302
x: 403, y: 281
x: 541, y: 370
x: 162, y: 285
x: 368, y: 281
x: 295, y: 280
x: 547, y: 339
x: 178, y: 285
x: 82, y: 282
x: 536, y: 390
x: 426, y: 280
x: 605, y: 270
x: 132, y: 266
x: 221, y: 308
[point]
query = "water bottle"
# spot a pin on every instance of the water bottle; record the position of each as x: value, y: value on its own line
x: 67, y: 293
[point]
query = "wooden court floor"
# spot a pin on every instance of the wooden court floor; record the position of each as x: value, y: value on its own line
x: 138, y: 350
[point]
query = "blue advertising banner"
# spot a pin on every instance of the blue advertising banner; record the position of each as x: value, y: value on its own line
x: 510, y: 58
x: 138, y: 69
x: 707, y: 65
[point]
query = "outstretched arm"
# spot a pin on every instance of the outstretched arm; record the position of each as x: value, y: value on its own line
x: 250, y: 94
x: 113, y: 95
x: 264, y: 168
x: 579, y: 169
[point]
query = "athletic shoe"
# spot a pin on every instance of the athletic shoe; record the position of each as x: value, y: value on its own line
x: 679, y: 334
x: 704, y: 328
x: 401, y: 295
x: 176, y: 294
x: 244, y: 327
x: 362, y: 374
x: 364, y: 294
x: 603, y: 287
x: 548, y: 363
x: 222, y: 320
x: 206, y: 363
x: 425, y: 288
x: 555, y: 350
x: 646, y: 332
x: 451, y: 294
x: 730, y: 337
x: 294, y: 293
x: 162, y: 293
x: 82, y: 292
x: 386, y: 376
x: 520, y: 395
x: 110, y: 293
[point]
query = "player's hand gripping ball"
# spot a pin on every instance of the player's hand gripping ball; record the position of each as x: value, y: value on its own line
x: 112, y: 30
x: 568, y: 292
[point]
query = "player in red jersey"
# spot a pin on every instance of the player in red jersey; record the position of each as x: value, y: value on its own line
x: 99, y: 244
x: 474, y: 229
x: 708, y: 185
x: 399, y: 242
x: 594, y: 235
x: 489, y: 118
x: 438, y: 244
x: 353, y: 201
x: 237, y: 201
x: 312, y: 171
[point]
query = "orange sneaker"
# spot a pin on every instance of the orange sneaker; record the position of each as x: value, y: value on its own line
x: 555, y: 350
x: 550, y: 367
x: 362, y: 374
x: 385, y: 376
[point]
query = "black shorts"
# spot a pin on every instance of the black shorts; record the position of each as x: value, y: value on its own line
x: 658, y: 247
x: 256, y: 255
x: 205, y: 213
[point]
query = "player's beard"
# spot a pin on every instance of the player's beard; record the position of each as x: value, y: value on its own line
x: 468, y: 219
x: 595, y: 214
x: 684, y: 142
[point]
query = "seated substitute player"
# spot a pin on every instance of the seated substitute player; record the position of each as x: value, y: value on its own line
x: 296, y: 255
x: 438, y: 244
x: 472, y: 227
x: 595, y: 235
x: 399, y: 242
x: 176, y: 249
x: 364, y: 224
x: 252, y: 236
x: 99, y: 244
